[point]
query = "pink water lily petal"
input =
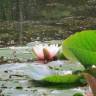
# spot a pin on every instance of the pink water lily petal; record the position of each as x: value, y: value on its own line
x: 53, y: 49
x: 45, y: 52
x: 38, y: 52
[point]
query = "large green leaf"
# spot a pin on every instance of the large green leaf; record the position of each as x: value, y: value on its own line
x: 81, y: 46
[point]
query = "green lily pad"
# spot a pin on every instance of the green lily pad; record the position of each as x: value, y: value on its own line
x: 81, y: 46
x: 67, y: 79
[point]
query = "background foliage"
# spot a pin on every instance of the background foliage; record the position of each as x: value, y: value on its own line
x: 22, y: 21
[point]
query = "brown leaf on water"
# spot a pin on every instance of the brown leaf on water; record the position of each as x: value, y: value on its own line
x: 91, y: 81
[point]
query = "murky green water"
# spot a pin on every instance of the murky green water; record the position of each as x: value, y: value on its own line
x: 31, y: 21
x: 15, y: 78
x: 15, y: 82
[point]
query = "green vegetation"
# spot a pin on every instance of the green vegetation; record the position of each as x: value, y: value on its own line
x: 46, y: 20
x: 45, y: 9
x: 81, y: 46
x: 65, y: 79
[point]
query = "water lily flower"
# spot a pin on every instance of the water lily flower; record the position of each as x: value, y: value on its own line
x: 46, y: 52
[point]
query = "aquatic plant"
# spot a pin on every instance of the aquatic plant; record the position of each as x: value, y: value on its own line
x: 46, y: 52
x: 78, y: 47
x: 82, y: 47
x: 92, y: 82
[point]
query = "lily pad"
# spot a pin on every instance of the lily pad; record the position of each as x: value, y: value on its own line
x: 81, y: 46
x: 65, y: 79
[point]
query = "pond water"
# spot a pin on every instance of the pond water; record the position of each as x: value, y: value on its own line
x: 17, y: 77
x: 25, y: 23
x: 21, y: 74
x: 15, y: 82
